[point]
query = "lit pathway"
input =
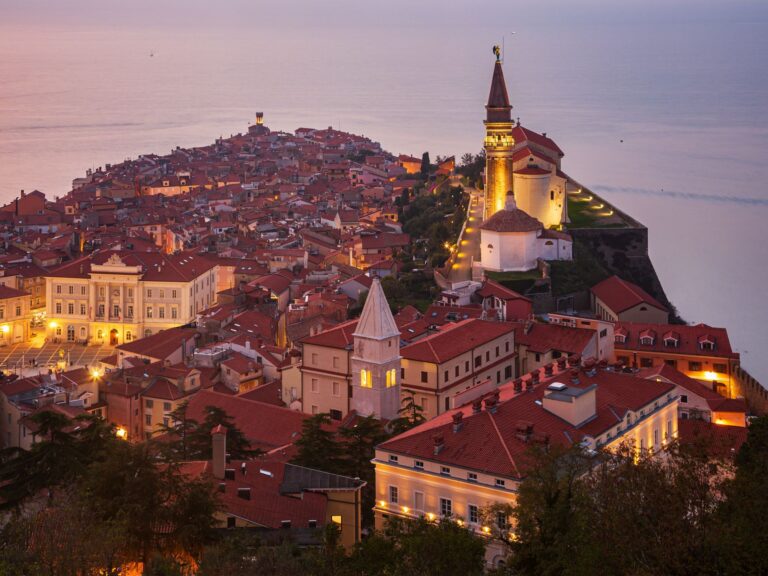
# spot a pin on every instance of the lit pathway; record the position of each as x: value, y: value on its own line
x: 469, y: 249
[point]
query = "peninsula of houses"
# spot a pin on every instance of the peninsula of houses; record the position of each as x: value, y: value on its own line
x: 281, y: 276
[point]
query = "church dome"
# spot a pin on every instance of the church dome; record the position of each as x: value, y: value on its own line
x: 512, y: 220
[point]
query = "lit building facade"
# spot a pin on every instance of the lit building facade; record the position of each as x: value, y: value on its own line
x: 15, y: 315
x: 119, y: 296
x: 467, y: 461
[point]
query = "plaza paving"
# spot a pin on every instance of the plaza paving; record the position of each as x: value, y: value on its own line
x: 19, y: 358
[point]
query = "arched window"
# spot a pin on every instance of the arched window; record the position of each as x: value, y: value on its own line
x: 391, y: 378
x: 365, y: 379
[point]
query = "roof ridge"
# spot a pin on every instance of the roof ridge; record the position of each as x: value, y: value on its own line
x: 504, y: 444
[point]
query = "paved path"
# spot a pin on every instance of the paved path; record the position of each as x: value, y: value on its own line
x: 19, y: 356
x: 469, y: 249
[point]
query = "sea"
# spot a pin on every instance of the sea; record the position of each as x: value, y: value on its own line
x: 660, y: 106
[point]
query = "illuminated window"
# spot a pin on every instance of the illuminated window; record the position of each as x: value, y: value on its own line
x: 365, y: 379
x: 391, y: 378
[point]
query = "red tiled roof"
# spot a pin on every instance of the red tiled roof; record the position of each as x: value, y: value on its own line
x: 266, y: 426
x: 545, y: 337
x: 160, y: 345
x: 493, y: 288
x: 337, y: 337
x: 688, y: 344
x: 489, y: 442
x: 7, y: 292
x: 266, y: 505
x: 620, y: 295
x: 521, y: 134
x: 454, y: 340
x: 720, y: 441
x: 512, y: 221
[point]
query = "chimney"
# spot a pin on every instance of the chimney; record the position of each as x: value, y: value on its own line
x: 574, y: 360
x: 439, y: 442
x: 561, y: 363
x: 548, y: 369
x: 529, y: 385
x: 490, y: 405
x: 477, y: 406
x: 523, y: 430
x: 219, y: 460
x: 243, y: 468
x: 518, y: 384
x: 535, y: 377
x: 457, y: 421
x: 575, y: 376
x: 574, y: 405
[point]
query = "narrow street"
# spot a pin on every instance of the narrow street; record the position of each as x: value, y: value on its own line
x: 468, y: 250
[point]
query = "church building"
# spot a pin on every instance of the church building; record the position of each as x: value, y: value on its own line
x: 525, y: 190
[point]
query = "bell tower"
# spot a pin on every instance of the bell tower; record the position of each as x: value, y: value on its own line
x: 376, y: 359
x: 498, y: 142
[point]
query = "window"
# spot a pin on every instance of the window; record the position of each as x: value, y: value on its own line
x: 393, y: 458
x: 314, y: 358
x: 82, y: 309
x: 167, y: 406
x: 506, y: 346
x: 101, y: 291
x: 393, y: 494
x: 445, y: 376
x: 130, y: 292
x: 646, y: 362
x: 656, y: 437
x: 694, y: 366
x: 314, y: 410
x: 500, y: 483
x: 365, y: 379
x: 671, y: 363
x: 173, y: 293
x: 473, y: 514
x: 508, y: 372
x: 162, y: 293
x: 402, y: 373
x: 720, y: 368
x: 418, y: 464
x: 424, y: 376
x: 129, y: 312
x: 456, y: 371
x: 161, y: 311
x: 335, y: 361
x: 58, y: 288
x: 315, y: 386
x: 478, y: 360
x: 82, y: 290
x: 58, y: 307
x: 149, y: 293
x: 335, y: 414
x: 445, y: 470
x: 497, y: 351
x: 149, y: 403
x: 487, y: 355
x: 149, y: 311
x: 683, y: 399
x: 148, y: 419
x: 70, y: 309
x: 100, y: 311
x: 336, y: 389
x: 603, y: 332
x: 471, y: 477
x: 391, y: 378
x: 174, y: 312
x: 446, y: 507
x: 466, y: 366
x: 501, y: 520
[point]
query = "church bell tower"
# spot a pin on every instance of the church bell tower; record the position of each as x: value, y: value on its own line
x: 498, y: 142
x: 376, y: 359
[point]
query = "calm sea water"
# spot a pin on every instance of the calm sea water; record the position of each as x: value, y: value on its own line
x: 683, y: 85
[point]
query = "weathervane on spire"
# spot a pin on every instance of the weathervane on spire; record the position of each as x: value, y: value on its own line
x: 497, y: 51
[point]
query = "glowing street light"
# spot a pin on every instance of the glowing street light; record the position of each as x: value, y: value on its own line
x: 121, y: 433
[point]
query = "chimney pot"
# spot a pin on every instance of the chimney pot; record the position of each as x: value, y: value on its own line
x: 518, y: 384
x: 477, y: 406
x: 457, y: 421
x: 439, y: 442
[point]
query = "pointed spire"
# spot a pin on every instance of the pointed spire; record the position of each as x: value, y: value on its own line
x: 498, y: 107
x: 376, y: 321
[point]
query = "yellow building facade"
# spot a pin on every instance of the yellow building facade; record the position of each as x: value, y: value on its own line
x: 126, y: 296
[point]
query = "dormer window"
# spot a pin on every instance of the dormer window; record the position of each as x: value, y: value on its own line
x: 647, y: 337
x: 670, y: 342
x: 706, y: 342
x: 620, y: 338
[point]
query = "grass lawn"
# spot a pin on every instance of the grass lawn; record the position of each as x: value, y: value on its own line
x: 520, y: 282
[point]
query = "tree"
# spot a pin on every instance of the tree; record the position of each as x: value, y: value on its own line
x: 359, y: 442
x: 420, y: 547
x: 318, y: 447
x: 238, y: 446
x: 425, y: 165
x: 409, y: 415
x: 740, y: 537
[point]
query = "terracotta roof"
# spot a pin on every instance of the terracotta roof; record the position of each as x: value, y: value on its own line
x: 160, y: 345
x: 266, y: 426
x: 542, y: 337
x: 490, y: 441
x: 454, y: 340
x: 688, y: 344
x: 720, y: 441
x: 514, y: 220
x: 493, y: 288
x: 521, y: 134
x: 620, y: 295
x: 337, y: 337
